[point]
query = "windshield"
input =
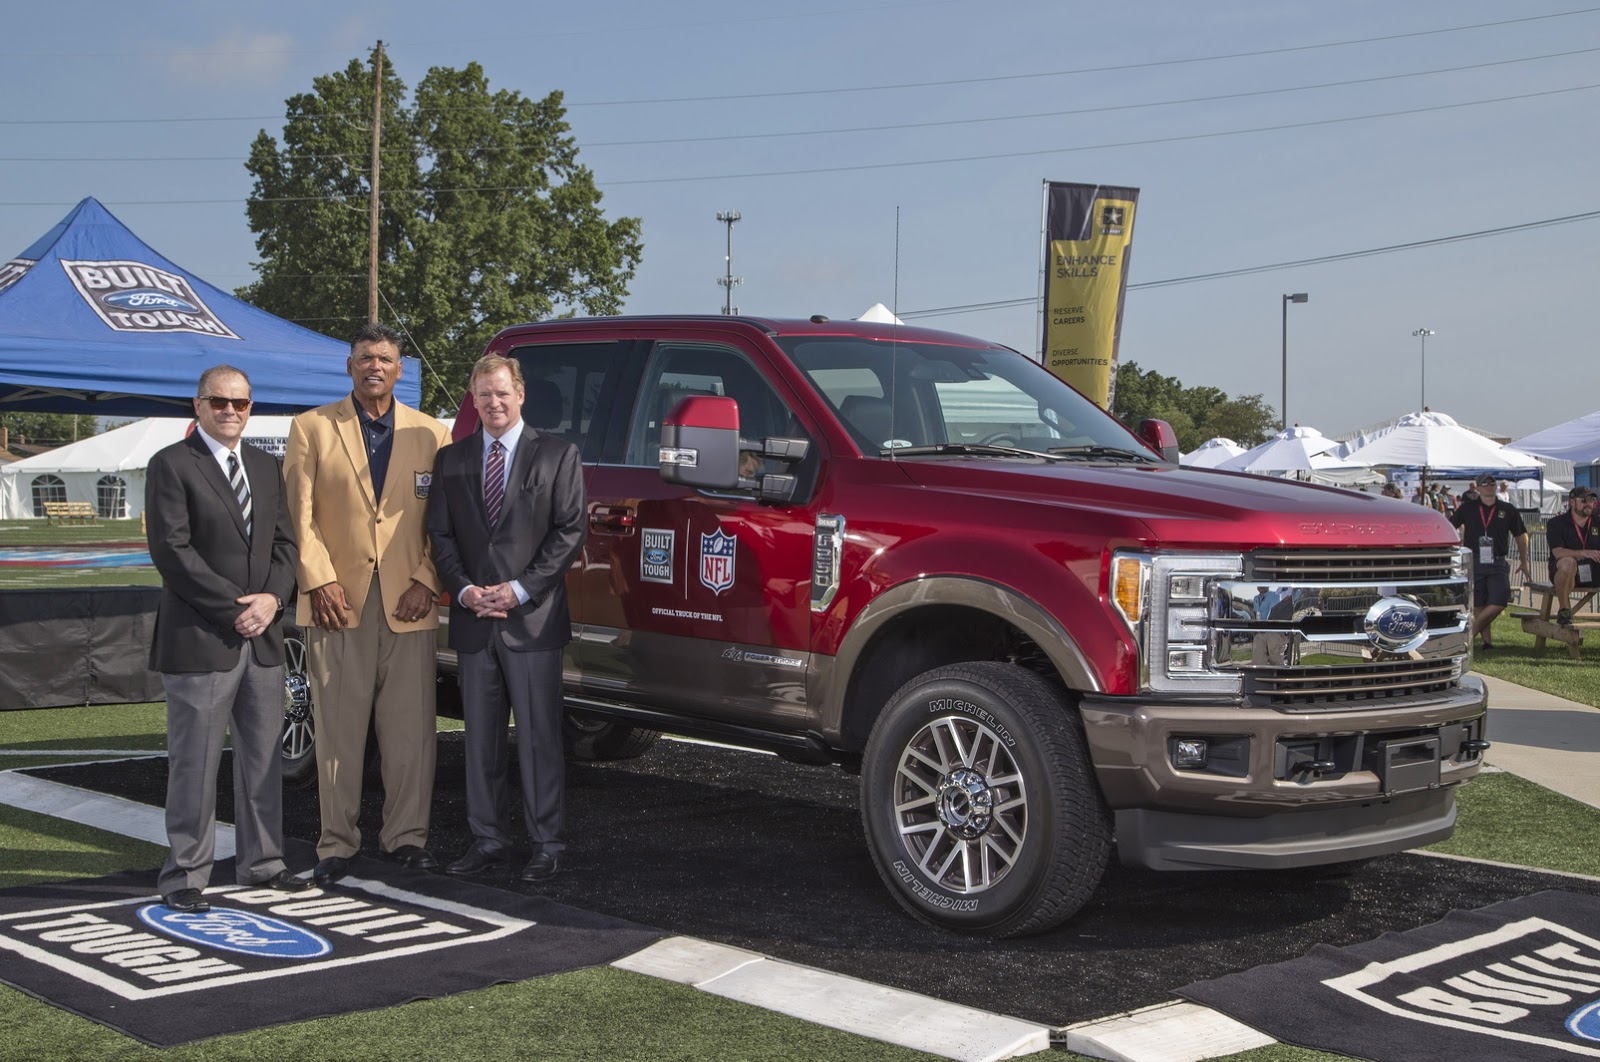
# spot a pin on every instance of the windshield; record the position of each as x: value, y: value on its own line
x: 896, y: 395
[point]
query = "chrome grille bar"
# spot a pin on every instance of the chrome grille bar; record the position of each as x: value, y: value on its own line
x: 1354, y: 566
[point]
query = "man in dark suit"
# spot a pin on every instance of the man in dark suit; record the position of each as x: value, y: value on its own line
x: 505, y: 517
x: 218, y: 529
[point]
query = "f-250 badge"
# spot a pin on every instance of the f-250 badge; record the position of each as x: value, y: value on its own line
x: 716, y: 560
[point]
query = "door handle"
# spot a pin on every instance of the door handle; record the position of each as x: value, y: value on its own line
x: 618, y: 519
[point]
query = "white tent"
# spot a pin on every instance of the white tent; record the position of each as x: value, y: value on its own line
x: 107, y: 470
x: 1435, y: 441
x: 1211, y: 453
x: 1576, y: 440
x: 881, y: 314
x: 1296, y: 449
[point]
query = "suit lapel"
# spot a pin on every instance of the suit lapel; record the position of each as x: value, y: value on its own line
x: 472, y: 455
x: 356, y: 446
x: 211, y: 473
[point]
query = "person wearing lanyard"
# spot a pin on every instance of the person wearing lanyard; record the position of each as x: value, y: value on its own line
x: 1487, y: 526
x: 1574, y: 550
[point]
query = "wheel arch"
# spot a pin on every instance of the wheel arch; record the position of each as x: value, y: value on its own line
x: 924, y: 623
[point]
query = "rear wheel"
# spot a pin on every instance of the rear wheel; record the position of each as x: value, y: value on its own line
x: 979, y: 804
x: 299, y: 743
x: 588, y: 738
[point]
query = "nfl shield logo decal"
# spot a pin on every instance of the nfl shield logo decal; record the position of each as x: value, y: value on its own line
x: 716, y: 561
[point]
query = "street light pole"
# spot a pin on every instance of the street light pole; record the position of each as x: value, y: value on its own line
x: 1423, y: 334
x: 1283, y: 410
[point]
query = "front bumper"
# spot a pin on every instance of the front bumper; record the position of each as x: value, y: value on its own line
x: 1284, y: 788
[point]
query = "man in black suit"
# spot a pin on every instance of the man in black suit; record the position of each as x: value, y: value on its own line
x: 218, y: 528
x: 505, y: 516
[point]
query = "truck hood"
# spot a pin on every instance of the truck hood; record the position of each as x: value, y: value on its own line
x: 1192, y: 508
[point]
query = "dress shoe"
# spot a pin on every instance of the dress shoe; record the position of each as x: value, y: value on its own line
x: 188, y: 901
x: 283, y: 881
x: 474, y: 861
x: 330, y: 870
x: 542, y: 867
x: 414, y: 857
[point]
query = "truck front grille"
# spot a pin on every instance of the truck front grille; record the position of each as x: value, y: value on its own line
x: 1310, y: 686
x: 1353, y: 566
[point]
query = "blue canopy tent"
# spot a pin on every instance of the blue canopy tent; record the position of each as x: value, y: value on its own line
x: 92, y: 320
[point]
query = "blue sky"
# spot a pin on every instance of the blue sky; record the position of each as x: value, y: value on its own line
x: 174, y: 92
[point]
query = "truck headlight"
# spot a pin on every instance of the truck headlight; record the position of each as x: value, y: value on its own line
x: 1166, y: 599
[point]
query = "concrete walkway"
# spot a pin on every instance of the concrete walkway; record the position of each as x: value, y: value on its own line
x: 1545, y: 739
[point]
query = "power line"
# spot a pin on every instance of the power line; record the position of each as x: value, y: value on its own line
x: 1087, y: 69
x: 976, y: 307
x: 1038, y: 153
x: 1149, y: 64
x: 897, y: 127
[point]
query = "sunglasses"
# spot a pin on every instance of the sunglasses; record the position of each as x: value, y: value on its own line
x: 219, y: 403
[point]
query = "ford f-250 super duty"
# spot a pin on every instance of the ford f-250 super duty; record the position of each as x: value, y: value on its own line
x: 923, y: 557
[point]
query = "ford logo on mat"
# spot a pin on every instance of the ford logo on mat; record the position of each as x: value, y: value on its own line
x: 1584, y: 1023
x: 240, y: 931
x: 1396, y: 624
x: 150, y: 300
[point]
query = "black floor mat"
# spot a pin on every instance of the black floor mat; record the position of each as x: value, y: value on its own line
x: 750, y: 850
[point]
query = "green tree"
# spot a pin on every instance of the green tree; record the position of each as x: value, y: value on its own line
x: 1195, y: 413
x: 486, y: 216
x: 47, y: 429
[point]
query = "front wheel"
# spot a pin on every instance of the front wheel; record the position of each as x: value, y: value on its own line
x: 979, y: 803
x: 298, y: 746
x: 588, y: 738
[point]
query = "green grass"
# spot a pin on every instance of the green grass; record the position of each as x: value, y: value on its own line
x: 1551, y: 671
x: 44, y: 533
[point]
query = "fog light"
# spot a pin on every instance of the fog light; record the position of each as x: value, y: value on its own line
x: 1188, y: 754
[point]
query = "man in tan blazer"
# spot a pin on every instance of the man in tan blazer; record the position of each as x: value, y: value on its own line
x: 357, y: 473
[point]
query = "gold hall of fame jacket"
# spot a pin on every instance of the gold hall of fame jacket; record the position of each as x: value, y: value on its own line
x: 343, y: 530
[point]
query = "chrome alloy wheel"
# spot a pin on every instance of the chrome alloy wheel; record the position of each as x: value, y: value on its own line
x: 299, y: 731
x: 960, y: 804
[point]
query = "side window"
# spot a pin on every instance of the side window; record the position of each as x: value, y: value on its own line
x: 569, y: 387
x: 676, y: 371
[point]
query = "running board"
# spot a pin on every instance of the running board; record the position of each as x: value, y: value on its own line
x: 803, y: 748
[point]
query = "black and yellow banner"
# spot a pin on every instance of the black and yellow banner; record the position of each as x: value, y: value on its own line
x: 1088, y: 238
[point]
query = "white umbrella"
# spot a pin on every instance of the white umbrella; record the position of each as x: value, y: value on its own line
x: 1296, y: 449
x: 1435, y: 441
x: 1211, y: 453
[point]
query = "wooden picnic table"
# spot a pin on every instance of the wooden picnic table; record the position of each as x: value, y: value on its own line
x: 1543, y: 626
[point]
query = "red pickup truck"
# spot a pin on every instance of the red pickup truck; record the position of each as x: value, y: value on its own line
x: 922, y: 557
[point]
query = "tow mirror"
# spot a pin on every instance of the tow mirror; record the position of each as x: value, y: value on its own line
x: 701, y: 448
x: 1159, y: 436
x: 700, y: 443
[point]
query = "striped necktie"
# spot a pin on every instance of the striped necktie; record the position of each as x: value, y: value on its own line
x: 494, y: 482
x: 241, y: 489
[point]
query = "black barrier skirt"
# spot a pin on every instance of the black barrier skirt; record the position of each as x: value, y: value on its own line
x: 74, y: 647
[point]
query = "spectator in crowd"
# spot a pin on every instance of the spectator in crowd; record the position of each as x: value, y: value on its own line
x: 358, y: 473
x: 220, y: 536
x: 1574, y: 550
x: 1487, y: 527
x: 506, y: 516
x: 1392, y: 490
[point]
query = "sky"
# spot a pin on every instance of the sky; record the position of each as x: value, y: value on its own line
x: 894, y: 151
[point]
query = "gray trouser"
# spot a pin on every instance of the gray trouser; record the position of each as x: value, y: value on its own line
x: 200, y: 708
x: 530, y: 683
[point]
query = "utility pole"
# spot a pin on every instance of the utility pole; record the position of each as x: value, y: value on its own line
x: 372, y: 222
x: 728, y: 280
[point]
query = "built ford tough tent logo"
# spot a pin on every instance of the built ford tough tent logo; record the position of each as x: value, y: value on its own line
x: 136, y: 297
x: 241, y: 931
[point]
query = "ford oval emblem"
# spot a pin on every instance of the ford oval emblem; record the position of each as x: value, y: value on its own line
x: 1396, y: 624
x: 147, y: 299
x: 233, y: 930
x: 1584, y: 1023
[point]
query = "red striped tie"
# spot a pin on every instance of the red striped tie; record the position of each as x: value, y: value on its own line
x: 494, y: 482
